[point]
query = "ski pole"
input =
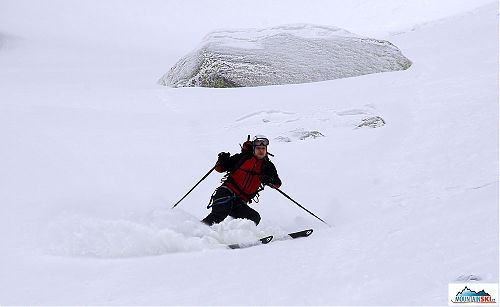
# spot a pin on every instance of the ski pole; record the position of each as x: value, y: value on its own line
x: 284, y: 194
x: 206, y: 175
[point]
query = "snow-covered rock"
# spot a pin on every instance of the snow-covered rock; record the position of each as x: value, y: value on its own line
x: 372, y: 122
x: 299, y: 134
x: 290, y: 54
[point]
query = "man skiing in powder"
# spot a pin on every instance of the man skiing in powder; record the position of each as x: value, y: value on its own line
x: 247, y: 172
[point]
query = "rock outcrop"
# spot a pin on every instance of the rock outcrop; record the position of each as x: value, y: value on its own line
x: 282, y: 55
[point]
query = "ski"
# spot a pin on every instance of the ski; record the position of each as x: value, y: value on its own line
x: 264, y: 240
x: 294, y: 235
x: 301, y: 234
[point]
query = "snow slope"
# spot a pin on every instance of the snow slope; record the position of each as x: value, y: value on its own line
x: 94, y: 153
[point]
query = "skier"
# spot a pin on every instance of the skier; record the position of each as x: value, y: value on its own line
x: 247, y: 171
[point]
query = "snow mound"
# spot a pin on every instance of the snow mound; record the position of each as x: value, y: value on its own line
x: 3, y: 40
x: 290, y: 54
x: 160, y: 232
x: 7, y: 40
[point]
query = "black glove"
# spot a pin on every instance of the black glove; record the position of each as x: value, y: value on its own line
x: 247, y: 148
x: 223, y: 158
x: 266, y: 180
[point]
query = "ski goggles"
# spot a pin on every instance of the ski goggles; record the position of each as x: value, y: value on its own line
x: 260, y: 142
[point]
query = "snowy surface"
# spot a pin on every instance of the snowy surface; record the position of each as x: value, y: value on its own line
x: 93, y: 154
x: 290, y: 54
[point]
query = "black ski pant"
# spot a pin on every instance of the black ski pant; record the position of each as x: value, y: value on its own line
x: 225, y: 203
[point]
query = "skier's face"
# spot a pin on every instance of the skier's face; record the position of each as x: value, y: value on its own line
x: 260, y: 152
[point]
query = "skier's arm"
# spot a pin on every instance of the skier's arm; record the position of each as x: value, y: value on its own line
x: 270, y: 175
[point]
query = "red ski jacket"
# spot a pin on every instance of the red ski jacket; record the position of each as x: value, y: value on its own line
x: 247, y: 173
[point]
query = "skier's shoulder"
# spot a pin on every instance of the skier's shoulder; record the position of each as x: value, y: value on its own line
x: 268, y: 164
x: 237, y: 160
x: 241, y: 156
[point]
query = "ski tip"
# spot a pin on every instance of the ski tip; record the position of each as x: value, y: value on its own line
x: 266, y: 239
x: 301, y: 234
